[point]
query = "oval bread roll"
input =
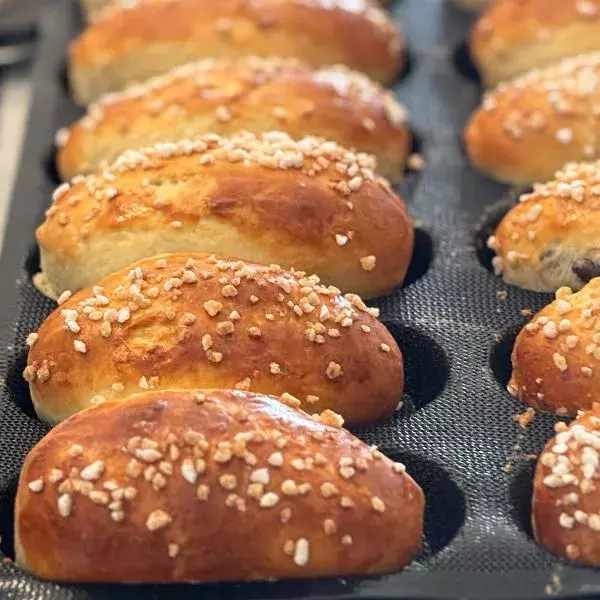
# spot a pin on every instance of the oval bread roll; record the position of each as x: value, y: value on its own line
x: 195, y: 321
x: 566, y: 497
x: 93, y: 9
x: 211, y: 486
x: 515, y: 36
x: 133, y: 43
x: 310, y: 205
x: 250, y: 93
x: 529, y: 128
x: 551, y: 238
x: 556, y: 357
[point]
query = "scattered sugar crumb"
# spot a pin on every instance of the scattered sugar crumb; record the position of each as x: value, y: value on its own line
x: 524, y: 418
x: 416, y: 162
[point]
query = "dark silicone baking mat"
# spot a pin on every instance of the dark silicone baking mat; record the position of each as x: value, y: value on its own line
x: 18, y: 29
x: 454, y: 321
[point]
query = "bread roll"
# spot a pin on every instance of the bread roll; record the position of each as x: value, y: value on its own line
x: 194, y: 321
x: 311, y: 205
x: 92, y: 9
x: 515, y: 36
x: 133, y: 43
x: 530, y: 127
x: 556, y: 357
x: 249, y: 93
x: 566, y: 496
x: 551, y: 237
x: 183, y: 486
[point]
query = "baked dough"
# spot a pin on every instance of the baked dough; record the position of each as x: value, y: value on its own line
x: 211, y: 486
x: 249, y: 93
x: 551, y: 238
x: 92, y: 9
x: 556, y: 357
x: 529, y: 128
x: 566, y: 498
x: 191, y: 321
x: 311, y: 205
x: 132, y: 43
x: 513, y: 37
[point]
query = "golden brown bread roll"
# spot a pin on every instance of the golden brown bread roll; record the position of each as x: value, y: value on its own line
x: 528, y: 128
x: 249, y: 93
x: 556, y: 357
x: 133, y: 43
x: 93, y: 9
x: 193, y: 321
x: 310, y: 204
x: 550, y: 238
x: 566, y: 496
x: 211, y: 486
x: 515, y: 36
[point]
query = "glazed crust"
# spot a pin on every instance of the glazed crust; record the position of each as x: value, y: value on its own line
x: 555, y: 357
x: 92, y: 9
x: 513, y: 37
x: 530, y: 127
x: 566, y: 499
x: 249, y: 93
x: 310, y: 205
x: 128, y: 44
x: 551, y: 238
x: 219, y: 444
x: 160, y: 324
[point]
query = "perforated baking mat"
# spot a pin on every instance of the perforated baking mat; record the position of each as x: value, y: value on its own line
x: 454, y: 321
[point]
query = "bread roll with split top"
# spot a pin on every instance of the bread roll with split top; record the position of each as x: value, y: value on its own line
x: 195, y: 321
x: 556, y: 357
x: 249, y: 93
x: 131, y: 43
x: 529, y: 128
x: 311, y: 205
x: 551, y: 238
x: 184, y: 486
x: 566, y: 497
x: 513, y: 37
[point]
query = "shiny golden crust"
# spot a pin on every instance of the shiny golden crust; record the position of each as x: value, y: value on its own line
x: 566, y: 497
x: 528, y: 128
x: 556, y: 357
x: 133, y: 43
x: 211, y: 486
x: 515, y: 36
x: 551, y: 238
x: 93, y: 9
x: 249, y: 93
x: 190, y: 321
x: 311, y: 205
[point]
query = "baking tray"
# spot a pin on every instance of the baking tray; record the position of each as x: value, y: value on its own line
x: 454, y: 321
x: 18, y: 29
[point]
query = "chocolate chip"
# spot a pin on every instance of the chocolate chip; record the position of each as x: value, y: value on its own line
x: 586, y: 269
x: 548, y: 253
